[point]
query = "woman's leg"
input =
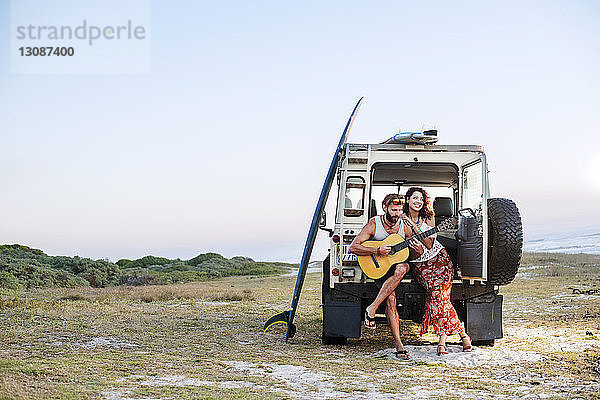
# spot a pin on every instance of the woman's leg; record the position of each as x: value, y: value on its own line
x: 466, y: 341
x: 441, y: 349
x: 442, y: 313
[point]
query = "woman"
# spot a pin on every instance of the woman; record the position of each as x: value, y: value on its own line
x: 434, y: 271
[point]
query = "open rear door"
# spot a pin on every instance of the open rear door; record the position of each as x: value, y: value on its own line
x: 473, y: 220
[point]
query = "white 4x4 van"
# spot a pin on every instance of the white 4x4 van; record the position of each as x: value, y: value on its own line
x: 485, y: 245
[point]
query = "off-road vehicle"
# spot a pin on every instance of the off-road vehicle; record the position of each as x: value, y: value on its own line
x: 485, y: 246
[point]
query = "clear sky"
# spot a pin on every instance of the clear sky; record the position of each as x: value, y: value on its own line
x: 224, y: 144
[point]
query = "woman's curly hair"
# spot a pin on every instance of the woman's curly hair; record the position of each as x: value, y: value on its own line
x: 425, y: 212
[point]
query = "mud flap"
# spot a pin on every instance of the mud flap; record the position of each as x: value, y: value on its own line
x: 484, y: 318
x: 341, y: 319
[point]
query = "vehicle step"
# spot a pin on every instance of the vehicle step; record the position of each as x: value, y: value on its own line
x: 357, y: 160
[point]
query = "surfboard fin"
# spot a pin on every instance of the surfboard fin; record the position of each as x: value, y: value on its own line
x: 281, y: 318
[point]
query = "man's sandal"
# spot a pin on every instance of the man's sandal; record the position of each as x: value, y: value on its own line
x: 441, y: 350
x: 402, y: 355
x: 466, y: 341
x: 369, y: 321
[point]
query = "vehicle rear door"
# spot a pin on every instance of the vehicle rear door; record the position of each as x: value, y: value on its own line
x: 472, y: 231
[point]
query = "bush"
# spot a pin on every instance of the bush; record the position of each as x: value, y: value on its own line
x: 9, y: 281
x: 145, y: 261
x: 28, y: 267
x: 200, y: 258
x: 33, y: 268
x: 122, y: 262
x: 33, y: 274
x: 242, y: 258
x: 139, y: 277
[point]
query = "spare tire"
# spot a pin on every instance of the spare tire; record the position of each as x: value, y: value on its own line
x: 505, y: 241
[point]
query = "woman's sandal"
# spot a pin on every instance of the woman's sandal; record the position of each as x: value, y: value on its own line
x: 441, y: 350
x: 466, y: 341
x: 403, y: 355
x: 369, y: 321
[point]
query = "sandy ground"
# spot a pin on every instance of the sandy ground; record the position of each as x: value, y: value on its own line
x: 508, y: 362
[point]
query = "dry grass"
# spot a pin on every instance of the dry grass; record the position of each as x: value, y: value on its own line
x: 158, y: 293
x: 561, y: 259
x: 165, y: 341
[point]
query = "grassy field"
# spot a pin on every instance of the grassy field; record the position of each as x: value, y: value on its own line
x: 204, y: 340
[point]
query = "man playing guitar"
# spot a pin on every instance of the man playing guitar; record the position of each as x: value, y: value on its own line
x: 378, y: 228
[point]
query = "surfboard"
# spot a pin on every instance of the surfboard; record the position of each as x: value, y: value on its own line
x: 426, y: 137
x: 287, y: 317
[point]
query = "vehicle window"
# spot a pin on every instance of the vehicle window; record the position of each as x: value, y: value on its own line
x: 379, y: 192
x: 473, y: 187
x: 354, y: 196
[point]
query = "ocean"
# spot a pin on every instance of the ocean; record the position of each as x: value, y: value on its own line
x: 588, y: 242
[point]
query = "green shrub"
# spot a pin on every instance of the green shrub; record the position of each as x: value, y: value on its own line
x: 122, y: 262
x: 32, y: 268
x: 139, y: 277
x: 200, y: 258
x: 9, y: 281
x: 145, y: 261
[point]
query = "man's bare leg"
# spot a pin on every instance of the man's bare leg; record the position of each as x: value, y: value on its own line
x: 391, y: 312
x: 388, y: 287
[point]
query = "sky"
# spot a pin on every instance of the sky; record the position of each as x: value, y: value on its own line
x: 220, y: 135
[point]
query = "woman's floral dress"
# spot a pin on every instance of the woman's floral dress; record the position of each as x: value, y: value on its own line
x: 435, y: 275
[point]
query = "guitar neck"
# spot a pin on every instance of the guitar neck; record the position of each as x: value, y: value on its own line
x: 426, y: 233
x: 419, y: 236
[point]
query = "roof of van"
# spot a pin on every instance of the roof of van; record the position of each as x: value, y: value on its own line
x: 416, y: 147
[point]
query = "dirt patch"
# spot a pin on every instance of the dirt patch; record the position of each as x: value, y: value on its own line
x: 303, y: 383
x: 457, y: 358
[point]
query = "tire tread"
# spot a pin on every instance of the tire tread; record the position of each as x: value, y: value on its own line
x: 505, y: 233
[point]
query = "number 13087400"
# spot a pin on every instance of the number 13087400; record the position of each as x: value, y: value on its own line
x: 46, y: 51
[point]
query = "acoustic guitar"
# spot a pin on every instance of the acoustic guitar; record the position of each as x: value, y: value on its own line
x: 375, y: 266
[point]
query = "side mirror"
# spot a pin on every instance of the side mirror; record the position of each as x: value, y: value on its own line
x: 323, y: 221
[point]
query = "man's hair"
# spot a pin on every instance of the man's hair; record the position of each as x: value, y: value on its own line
x: 391, y: 197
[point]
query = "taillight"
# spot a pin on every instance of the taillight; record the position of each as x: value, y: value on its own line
x: 335, y: 238
x: 335, y: 272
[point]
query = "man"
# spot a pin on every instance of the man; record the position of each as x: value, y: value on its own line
x: 378, y: 228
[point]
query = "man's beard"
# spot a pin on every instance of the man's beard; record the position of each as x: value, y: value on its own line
x: 391, y: 219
